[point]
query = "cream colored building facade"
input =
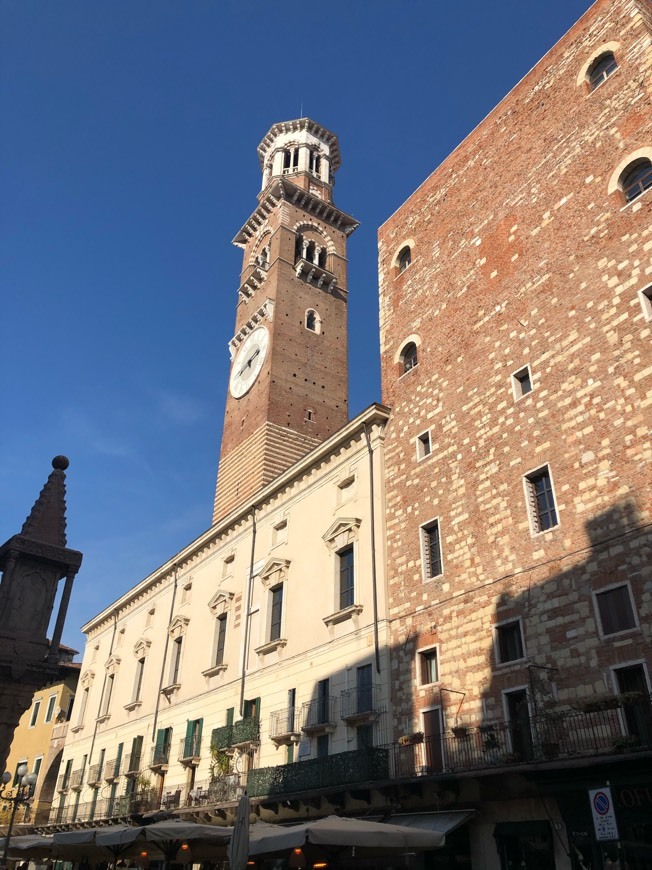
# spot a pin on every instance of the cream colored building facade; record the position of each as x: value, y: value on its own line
x: 265, y: 638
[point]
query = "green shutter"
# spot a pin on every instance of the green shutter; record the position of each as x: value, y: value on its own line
x: 160, y: 741
x: 199, y: 723
x: 229, y: 716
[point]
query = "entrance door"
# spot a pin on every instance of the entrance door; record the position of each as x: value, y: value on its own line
x: 432, y: 732
x: 638, y: 715
x: 518, y: 715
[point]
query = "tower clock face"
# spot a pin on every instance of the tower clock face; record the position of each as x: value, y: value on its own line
x: 248, y: 362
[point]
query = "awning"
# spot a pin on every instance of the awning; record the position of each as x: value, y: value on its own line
x: 442, y: 823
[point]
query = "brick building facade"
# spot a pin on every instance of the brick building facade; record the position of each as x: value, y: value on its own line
x: 515, y: 289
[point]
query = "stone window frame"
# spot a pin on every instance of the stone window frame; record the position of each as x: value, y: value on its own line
x: 423, y: 443
x: 177, y: 633
x: 273, y: 574
x: 399, y: 250
x: 318, y: 321
x: 531, y: 503
x: 328, y: 247
x: 50, y: 708
x: 342, y: 534
x: 86, y: 683
x: 629, y: 663
x: 346, y: 486
x: 36, y: 709
x: 595, y: 594
x: 614, y: 184
x: 220, y: 605
x: 517, y: 382
x: 140, y: 651
x: 496, y: 629
x: 422, y: 651
x: 582, y: 80
x: 645, y: 298
x: 424, y: 530
x: 398, y: 356
x: 280, y: 531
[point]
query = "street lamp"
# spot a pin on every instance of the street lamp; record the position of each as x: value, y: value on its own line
x: 21, y: 796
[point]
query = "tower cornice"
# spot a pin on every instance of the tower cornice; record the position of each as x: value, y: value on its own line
x: 284, y: 190
x: 297, y: 126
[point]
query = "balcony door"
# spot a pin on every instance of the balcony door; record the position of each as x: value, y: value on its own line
x: 518, y: 717
x: 432, y: 733
x: 364, y: 693
x: 638, y: 715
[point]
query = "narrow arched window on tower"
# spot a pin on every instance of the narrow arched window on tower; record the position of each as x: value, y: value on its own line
x: 290, y: 160
x: 314, y: 163
x: 409, y: 358
x: 636, y: 179
x: 601, y: 69
x: 404, y: 259
x: 313, y: 321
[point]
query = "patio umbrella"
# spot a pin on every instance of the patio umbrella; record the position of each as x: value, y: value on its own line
x: 28, y: 846
x: 169, y: 836
x: 238, y: 848
x: 368, y: 837
x: 95, y: 844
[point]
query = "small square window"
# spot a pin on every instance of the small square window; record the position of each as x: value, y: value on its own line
x: 646, y: 302
x: 150, y: 616
x: 279, y: 533
x: 509, y: 642
x: 615, y: 609
x: 522, y: 382
x: 346, y: 488
x: 227, y: 565
x: 424, y: 446
x: 541, y: 500
x: 431, y: 550
x: 185, y: 592
x: 428, y: 664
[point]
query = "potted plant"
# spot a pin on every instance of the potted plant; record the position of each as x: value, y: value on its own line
x: 460, y: 731
x: 411, y: 739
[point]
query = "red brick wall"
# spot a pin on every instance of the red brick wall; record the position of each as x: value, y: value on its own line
x: 522, y: 257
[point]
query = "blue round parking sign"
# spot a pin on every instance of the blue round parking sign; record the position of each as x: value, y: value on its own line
x: 601, y: 803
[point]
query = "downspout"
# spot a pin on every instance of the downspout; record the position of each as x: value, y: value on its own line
x: 374, y: 579
x: 165, y: 652
x: 245, y: 652
x: 99, y: 709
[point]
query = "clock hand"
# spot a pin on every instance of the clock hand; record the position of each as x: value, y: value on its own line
x: 249, y: 362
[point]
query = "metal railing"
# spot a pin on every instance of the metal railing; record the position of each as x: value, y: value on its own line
x: 112, y: 769
x: 106, y: 808
x: 319, y: 711
x: 131, y: 765
x: 94, y: 774
x: 284, y: 722
x: 77, y: 778
x: 359, y: 701
x: 160, y: 756
x: 190, y: 747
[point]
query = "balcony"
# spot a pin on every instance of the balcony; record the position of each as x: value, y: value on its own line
x: 359, y: 706
x: 160, y: 758
x: 318, y: 716
x: 246, y: 732
x: 77, y: 779
x: 315, y: 274
x: 112, y: 770
x: 221, y: 738
x: 131, y: 766
x: 284, y: 726
x: 63, y: 783
x: 334, y: 771
x: 106, y: 808
x: 190, y: 750
x: 94, y: 774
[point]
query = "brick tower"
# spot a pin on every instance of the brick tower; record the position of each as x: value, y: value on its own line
x: 288, y: 382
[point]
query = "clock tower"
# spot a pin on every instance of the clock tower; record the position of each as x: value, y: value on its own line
x: 288, y: 384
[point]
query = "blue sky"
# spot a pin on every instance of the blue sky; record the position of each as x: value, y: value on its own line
x: 128, y: 163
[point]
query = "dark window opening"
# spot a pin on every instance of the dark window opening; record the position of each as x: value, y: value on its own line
x: 601, y: 69
x: 409, y: 358
x: 432, y: 549
x: 404, y: 259
x: 277, y: 613
x: 542, y: 501
x: 428, y: 667
x: 346, y: 566
x: 510, y: 642
x: 636, y: 179
x: 615, y: 608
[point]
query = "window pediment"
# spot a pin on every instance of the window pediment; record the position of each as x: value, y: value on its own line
x: 221, y: 601
x: 274, y: 571
x: 342, y: 533
x: 87, y: 678
x: 178, y: 626
x: 112, y: 664
x: 142, y: 648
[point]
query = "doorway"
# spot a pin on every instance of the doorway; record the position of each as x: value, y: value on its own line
x: 518, y: 717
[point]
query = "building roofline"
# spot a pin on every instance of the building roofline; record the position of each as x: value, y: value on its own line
x: 490, y: 113
x: 374, y: 413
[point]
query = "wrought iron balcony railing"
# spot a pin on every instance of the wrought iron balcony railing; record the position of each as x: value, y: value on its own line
x: 318, y: 714
x: 190, y: 749
x: 360, y: 703
x: 131, y: 766
x: 284, y: 724
x: 160, y: 756
x: 106, y: 808
x: 77, y: 778
x: 112, y: 769
x: 94, y: 774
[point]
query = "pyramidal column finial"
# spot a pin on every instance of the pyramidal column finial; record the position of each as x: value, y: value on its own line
x: 47, y: 519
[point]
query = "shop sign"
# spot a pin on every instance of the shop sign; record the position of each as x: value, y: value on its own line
x: 604, y: 817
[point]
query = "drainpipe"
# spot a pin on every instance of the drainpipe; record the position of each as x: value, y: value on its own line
x: 165, y: 653
x: 374, y: 579
x: 247, y: 622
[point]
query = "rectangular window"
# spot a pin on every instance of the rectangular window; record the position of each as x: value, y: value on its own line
x: 277, y: 613
x: 280, y: 533
x: 49, y: 713
x: 71, y: 704
x: 346, y: 570
x: 364, y: 689
x: 541, y: 500
x: 36, y: 769
x: 150, y: 616
x: 292, y: 702
x: 522, y: 382
x: 138, y: 681
x: 428, y: 666
x: 432, y: 561
x: 323, y: 701
x: 82, y: 706
x: 322, y: 745
x: 227, y: 566
x: 175, y: 670
x: 220, y: 639
x: 424, y: 446
x: 509, y: 642
x: 108, y: 693
x: 185, y: 592
x: 35, y: 711
x: 615, y: 609
x: 646, y: 302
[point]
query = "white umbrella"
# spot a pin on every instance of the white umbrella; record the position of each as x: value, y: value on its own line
x: 369, y: 837
x: 238, y: 848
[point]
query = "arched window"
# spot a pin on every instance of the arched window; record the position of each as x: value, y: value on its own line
x: 290, y: 160
x: 313, y: 321
x: 409, y: 358
x: 314, y: 164
x: 601, y: 69
x: 636, y: 179
x: 404, y: 259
